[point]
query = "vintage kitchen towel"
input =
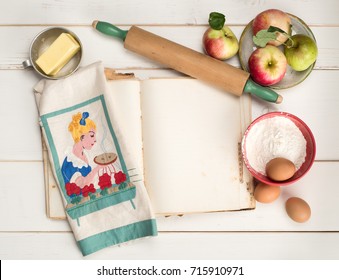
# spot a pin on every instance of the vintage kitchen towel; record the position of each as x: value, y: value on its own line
x: 104, y: 204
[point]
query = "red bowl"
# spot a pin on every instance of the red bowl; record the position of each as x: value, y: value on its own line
x: 310, y: 149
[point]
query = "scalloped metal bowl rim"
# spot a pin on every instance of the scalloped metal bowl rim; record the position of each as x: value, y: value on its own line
x: 265, y: 179
x: 243, y: 65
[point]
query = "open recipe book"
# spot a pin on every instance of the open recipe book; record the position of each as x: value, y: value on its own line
x: 185, y: 136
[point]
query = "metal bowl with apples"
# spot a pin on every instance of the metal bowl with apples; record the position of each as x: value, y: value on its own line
x: 292, y: 75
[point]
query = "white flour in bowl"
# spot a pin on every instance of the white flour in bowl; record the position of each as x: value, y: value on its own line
x: 274, y: 137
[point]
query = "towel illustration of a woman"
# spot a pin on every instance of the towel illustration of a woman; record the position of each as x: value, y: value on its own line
x: 76, y: 167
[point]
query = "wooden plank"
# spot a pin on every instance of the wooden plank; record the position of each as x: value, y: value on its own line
x: 109, y: 50
x: 22, y: 200
x: 18, y: 108
x: 188, y: 12
x: 315, y: 102
x: 22, y: 205
x: 98, y: 46
x: 178, y: 246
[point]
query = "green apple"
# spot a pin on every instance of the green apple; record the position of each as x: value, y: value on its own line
x: 301, y: 52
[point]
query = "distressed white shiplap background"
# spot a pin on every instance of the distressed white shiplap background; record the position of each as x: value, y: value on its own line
x: 265, y: 233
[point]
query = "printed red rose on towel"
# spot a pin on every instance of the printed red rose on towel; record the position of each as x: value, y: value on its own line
x: 105, y: 181
x: 72, y: 189
x: 119, y: 177
x: 88, y: 189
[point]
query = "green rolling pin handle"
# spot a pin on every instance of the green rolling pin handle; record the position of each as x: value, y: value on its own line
x: 264, y: 93
x: 109, y: 29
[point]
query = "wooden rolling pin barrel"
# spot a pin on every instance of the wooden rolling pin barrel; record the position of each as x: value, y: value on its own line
x: 188, y: 61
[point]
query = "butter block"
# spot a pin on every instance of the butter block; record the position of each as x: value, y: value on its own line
x: 58, y: 54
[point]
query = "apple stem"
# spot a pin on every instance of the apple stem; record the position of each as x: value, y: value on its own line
x: 227, y: 35
x: 291, y: 44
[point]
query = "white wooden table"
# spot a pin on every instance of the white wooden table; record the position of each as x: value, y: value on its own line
x: 265, y: 233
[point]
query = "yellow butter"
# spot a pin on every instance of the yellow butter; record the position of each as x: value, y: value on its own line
x: 58, y: 54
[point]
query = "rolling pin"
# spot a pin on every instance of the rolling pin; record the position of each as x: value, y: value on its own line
x: 190, y: 62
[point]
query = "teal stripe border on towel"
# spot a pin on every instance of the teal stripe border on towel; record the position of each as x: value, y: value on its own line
x: 118, y: 235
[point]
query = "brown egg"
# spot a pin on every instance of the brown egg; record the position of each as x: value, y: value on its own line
x: 265, y: 193
x: 280, y: 169
x: 298, y: 209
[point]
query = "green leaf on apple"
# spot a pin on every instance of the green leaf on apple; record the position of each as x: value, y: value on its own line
x: 266, y: 35
x: 216, y: 20
x: 276, y: 29
x: 263, y: 37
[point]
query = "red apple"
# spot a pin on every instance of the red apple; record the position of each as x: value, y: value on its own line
x: 273, y: 17
x: 267, y: 65
x: 221, y: 44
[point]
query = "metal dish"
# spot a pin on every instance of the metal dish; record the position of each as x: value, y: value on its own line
x: 41, y: 42
x: 292, y: 77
